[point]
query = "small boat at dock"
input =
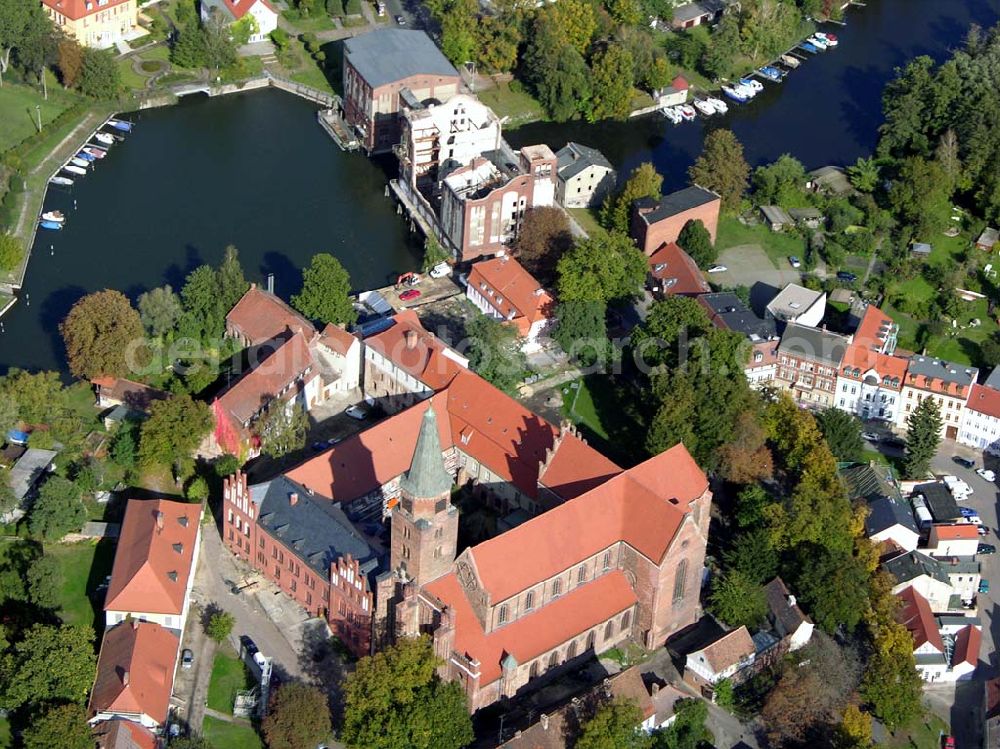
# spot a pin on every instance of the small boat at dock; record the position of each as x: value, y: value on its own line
x: 73, y: 169
x: 50, y: 225
x: 97, y: 153
x: 736, y: 95
x: 671, y: 114
x: 56, y: 216
x: 82, y: 163
x: 720, y: 106
x: 687, y: 112
x: 125, y: 127
x: 105, y: 138
x: 829, y: 39
x: 809, y: 47
x: 754, y: 85
x: 817, y: 42
x: 89, y: 158
x: 64, y: 181
x: 704, y: 107
x: 790, y: 61
x: 771, y: 73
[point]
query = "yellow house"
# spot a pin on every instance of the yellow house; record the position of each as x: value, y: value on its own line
x: 94, y: 23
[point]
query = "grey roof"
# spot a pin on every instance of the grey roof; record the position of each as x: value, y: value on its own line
x: 786, y: 616
x: 993, y: 381
x: 690, y: 11
x: 812, y: 343
x: 989, y: 237
x: 314, y: 528
x: 940, y: 502
x: 957, y: 620
x: 792, y: 301
x: 913, y: 564
x: 885, y: 513
x: 800, y: 214
x: 728, y: 311
x: 831, y: 178
x: 220, y: 7
x: 390, y: 55
x: 959, y: 565
x: 573, y: 158
x: 674, y: 203
x: 921, y: 248
x: 427, y: 476
x: 869, y: 482
x: 939, y: 369
x: 775, y: 214
x: 29, y: 468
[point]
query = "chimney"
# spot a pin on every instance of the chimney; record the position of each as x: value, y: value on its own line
x: 125, y: 678
x: 791, y: 601
x: 159, y: 520
x: 293, y: 498
x: 656, y: 688
x: 135, y: 625
x: 411, y: 339
x: 544, y: 720
x: 270, y: 283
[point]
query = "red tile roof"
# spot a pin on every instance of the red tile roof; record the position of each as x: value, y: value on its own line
x: 259, y: 315
x: 644, y: 506
x: 133, y: 394
x: 337, y: 339
x: 135, y: 670
x: 241, y: 7
x: 671, y: 262
x: 916, y: 616
x: 524, y: 301
x: 124, y: 734
x: 985, y: 400
x: 77, y: 9
x: 248, y: 395
x: 419, y: 353
x: 152, y: 564
x: 680, y: 83
x: 865, y: 351
x: 729, y: 650
x: 769, y: 354
x: 967, y: 644
x: 533, y: 635
x: 956, y: 532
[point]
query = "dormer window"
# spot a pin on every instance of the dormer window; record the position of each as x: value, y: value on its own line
x: 179, y: 548
x: 172, y: 575
x: 183, y: 520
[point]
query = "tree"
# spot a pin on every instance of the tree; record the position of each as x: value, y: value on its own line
x: 602, y: 268
x: 695, y: 240
x: 282, y: 428
x: 544, y: 238
x: 197, y: 489
x: 558, y: 73
x: 232, y: 283
x: 11, y: 251
x: 614, y: 725
x: 100, y: 332
x: 753, y: 556
x: 434, y: 253
x: 159, y: 310
x: 243, y: 29
x: 188, y: 50
x: 688, y: 730
x: 891, y: 684
x: 220, y: 626
x: 458, y: 30
x: 498, y: 44
x: 864, y: 174
x: 48, y: 664
x: 125, y: 444
x: 495, y: 352
x: 722, y: 168
x: 189, y: 742
x: 750, y: 504
x: 219, y: 45
x: 611, y: 84
x: 842, y: 432
x: 921, y: 196
x: 738, y: 600
x: 581, y: 331
x: 204, y: 316
x: 643, y: 182
x: 64, y: 726
x: 574, y: 22
x: 298, y: 717
x: 100, y: 76
x: 855, y: 730
x: 70, y: 61
x: 14, y: 19
x: 780, y: 182
x: 670, y: 325
x: 175, y: 427
x: 923, y: 435
x: 38, y: 396
x: 325, y: 292
x: 833, y: 585
x: 57, y: 510
x: 8, y: 500
x: 45, y: 579
x: 395, y: 699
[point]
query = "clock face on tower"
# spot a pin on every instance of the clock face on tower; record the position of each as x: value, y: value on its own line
x: 466, y: 576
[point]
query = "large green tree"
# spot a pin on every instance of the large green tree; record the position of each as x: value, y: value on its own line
x: 558, y: 74
x: 160, y: 310
x: 544, y: 238
x: 721, y: 167
x: 891, y: 684
x: 232, y: 283
x: 45, y: 581
x: 643, y: 182
x: 395, y: 700
x: 603, y: 268
x: 64, y: 726
x: 614, y: 725
x: 297, y: 718
x: 923, y: 435
x: 737, y: 600
x: 842, y: 432
x: 204, y: 314
x: 695, y: 240
x: 688, y: 730
x: 175, y: 427
x: 611, y: 84
x: 57, y: 510
x: 37, y: 396
x: 781, y: 182
x: 325, y: 294
x: 48, y: 664
x: 670, y: 323
x: 101, y: 333
x: 100, y: 76
x: 921, y: 196
x: 282, y: 428
x: 581, y: 331
x: 494, y: 350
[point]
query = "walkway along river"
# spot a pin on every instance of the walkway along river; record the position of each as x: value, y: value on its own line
x: 256, y: 171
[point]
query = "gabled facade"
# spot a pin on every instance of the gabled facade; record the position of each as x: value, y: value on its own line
x: 585, y: 176
x: 725, y: 658
x: 787, y: 620
x: 980, y: 427
x: 95, y: 23
x: 259, y: 16
x: 949, y: 384
x: 808, y: 362
x: 501, y: 288
x: 942, y: 653
x: 870, y: 379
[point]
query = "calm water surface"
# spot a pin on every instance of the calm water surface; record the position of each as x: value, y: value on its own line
x: 255, y: 170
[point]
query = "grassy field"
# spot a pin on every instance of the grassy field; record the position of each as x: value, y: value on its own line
x: 6, y: 740
x: 223, y: 735
x: 17, y: 110
x: 319, y: 22
x: 133, y: 80
x: 229, y: 675
x: 777, y: 245
x: 925, y: 735
x: 609, y: 415
x: 85, y: 565
x: 587, y: 219
x: 519, y: 106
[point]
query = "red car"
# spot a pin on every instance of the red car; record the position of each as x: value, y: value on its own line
x: 409, y: 295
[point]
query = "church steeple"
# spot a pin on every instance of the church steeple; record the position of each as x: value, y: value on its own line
x: 427, y: 477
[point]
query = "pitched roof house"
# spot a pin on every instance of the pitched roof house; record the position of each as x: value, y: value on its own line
x: 786, y: 618
x: 672, y: 271
x: 154, y: 563
x: 120, y: 733
x: 501, y: 288
x: 890, y: 517
x: 585, y: 176
x: 939, y: 657
x: 260, y: 316
x: 722, y: 659
x: 94, y: 23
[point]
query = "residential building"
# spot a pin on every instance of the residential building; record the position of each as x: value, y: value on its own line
x: 729, y: 657
x: 95, y: 23
x: 338, y: 356
x: 776, y: 217
x: 114, y: 392
x: 676, y: 93
x: 787, y: 620
x: 830, y: 180
x: 890, y: 518
x: 501, y: 288
x: 810, y: 218
x: 154, y: 564
x: 658, y: 222
x: 260, y: 317
x: 483, y: 202
x: 949, y: 384
x: 980, y: 426
x: 945, y: 583
x: 940, y: 656
x: 585, y: 176
x: 673, y: 272
x: 728, y: 312
x: 763, y: 365
x: 258, y: 17
x: 952, y: 540
x: 377, y: 67
x: 135, y: 674
x: 119, y: 733
x: 870, y: 379
x: 697, y: 13
x: 797, y: 304
x: 26, y: 475
x: 808, y: 362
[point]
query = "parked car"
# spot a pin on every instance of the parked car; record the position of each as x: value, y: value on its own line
x: 871, y: 437
x: 356, y: 412
x: 718, y: 269
x: 400, y: 21
x: 967, y: 512
x: 249, y: 645
x: 987, y: 474
x: 982, y: 530
x: 409, y: 295
x: 986, y: 549
x: 844, y: 275
x: 964, y: 462
x: 794, y: 261
x: 187, y: 658
x: 984, y: 586
x: 440, y: 270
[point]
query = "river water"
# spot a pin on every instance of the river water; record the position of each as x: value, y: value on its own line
x: 255, y: 170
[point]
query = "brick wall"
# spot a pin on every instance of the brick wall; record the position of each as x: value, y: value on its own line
x: 651, y: 237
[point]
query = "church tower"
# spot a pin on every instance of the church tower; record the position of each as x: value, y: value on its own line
x: 425, y: 523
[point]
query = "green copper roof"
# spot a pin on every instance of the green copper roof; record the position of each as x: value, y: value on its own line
x: 427, y: 476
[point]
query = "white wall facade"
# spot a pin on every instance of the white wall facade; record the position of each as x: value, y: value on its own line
x: 867, y: 397
x: 951, y: 406
x: 980, y: 430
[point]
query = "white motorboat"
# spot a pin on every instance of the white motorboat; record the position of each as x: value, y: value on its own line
x: 105, y: 138
x: 56, y: 216
x: 687, y: 112
x: 790, y: 61
x: 830, y: 40
x: 671, y: 114
x: 64, y: 181
x: 818, y: 43
x: 718, y: 104
x: 704, y: 107
x: 77, y: 161
x: 72, y: 169
x: 753, y: 84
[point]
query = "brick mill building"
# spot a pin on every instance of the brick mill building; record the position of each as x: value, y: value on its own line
x: 658, y: 222
x: 585, y: 555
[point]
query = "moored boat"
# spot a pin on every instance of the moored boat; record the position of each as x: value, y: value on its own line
x: 56, y: 216
x: 89, y: 158
x: 95, y: 152
x: 829, y: 39
x: 105, y: 138
x: 735, y: 94
x: 720, y: 106
x: 753, y: 84
x: 73, y: 169
x: 817, y: 42
x: 687, y: 112
x: 771, y: 73
x: 77, y: 161
x: 790, y: 61
x: 64, y: 181
x: 50, y: 225
x: 704, y: 107
x: 809, y: 47
x: 671, y: 114
x: 120, y: 125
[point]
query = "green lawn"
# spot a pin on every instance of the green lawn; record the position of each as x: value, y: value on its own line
x: 6, y: 740
x: 587, y: 219
x: 519, y: 106
x: 17, y: 110
x: 85, y: 565
x: 925, y: 735
x: 777, y: 245
x: 223, y: 735
x: 132, y: 79
x: 229, y: 675
x: 319, y: 22
x: 609, y: 414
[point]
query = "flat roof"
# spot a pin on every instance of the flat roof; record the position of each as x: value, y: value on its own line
x: 390, y: 55
x: 674, y: 203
